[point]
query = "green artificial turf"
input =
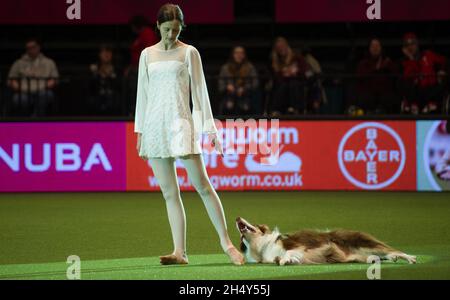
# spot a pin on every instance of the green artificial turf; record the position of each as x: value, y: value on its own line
x: 121, y: 235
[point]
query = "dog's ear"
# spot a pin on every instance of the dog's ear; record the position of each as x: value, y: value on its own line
x: 264, y: 228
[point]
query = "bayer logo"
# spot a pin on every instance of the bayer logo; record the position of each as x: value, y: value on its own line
x: 371, y: 155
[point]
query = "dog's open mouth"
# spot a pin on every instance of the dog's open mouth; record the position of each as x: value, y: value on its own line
x: 243, y: 226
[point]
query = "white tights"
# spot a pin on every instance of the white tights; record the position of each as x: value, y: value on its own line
x: 166, y: 175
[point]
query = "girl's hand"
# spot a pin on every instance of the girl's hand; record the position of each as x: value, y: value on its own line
x: 138, y: 144
x: 216, y: 143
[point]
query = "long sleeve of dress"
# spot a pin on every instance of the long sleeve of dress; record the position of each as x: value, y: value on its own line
x: 142, y: 94
x: 202, y: 113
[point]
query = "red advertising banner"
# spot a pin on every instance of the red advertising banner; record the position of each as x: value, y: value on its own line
x: 356, y: 10
x: 313, y: 155
x: 309, y: 155
x: 109, y: 12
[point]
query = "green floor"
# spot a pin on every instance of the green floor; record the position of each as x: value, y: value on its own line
x: 120, y: 235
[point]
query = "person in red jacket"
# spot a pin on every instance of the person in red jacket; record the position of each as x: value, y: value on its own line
x: 145, y: 37
x: 423, y: 74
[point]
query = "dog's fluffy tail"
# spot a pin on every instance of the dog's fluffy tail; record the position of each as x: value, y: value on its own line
x: 360, y: 246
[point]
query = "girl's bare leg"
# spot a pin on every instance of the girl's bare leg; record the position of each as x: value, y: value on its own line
x: 165, y: 173
x: 196, y: 170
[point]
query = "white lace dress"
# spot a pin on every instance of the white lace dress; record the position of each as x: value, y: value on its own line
x: 163, y: 116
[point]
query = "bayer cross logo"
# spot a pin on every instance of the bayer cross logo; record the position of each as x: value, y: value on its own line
x: 371, y: 155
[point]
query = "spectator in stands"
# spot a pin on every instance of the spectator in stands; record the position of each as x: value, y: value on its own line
x: 104, y: 87
x: 238, y: 85
x: 423, y: 76
x: 145, y: 37
x: 32, y: 78
x: 316, y: 95
x: 376, y: 81
x: 288, y: 74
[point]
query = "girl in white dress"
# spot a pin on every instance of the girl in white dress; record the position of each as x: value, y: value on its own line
x: 169, y: 72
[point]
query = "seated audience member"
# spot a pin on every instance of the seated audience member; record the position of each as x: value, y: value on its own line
x: 104, y: 84
x: 32, y: 78
x: 288, y: 75
x: 238, y: 84
x: 423, y: 74
x: 316, y: 95
x: 376, y: 81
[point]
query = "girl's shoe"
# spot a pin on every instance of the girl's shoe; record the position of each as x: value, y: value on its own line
x: 172, y: 259
x: 235, y: 256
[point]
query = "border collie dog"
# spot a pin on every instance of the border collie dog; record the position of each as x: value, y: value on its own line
x: 261, y: 245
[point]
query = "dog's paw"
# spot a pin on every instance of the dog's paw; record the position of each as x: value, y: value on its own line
x: 392, y: 257
x: 411, y: 259
x: 284, y: 262
x: 280, y: 261
x: 277, y: 260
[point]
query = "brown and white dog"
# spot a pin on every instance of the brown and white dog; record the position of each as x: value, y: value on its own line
x: 261, y: 245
